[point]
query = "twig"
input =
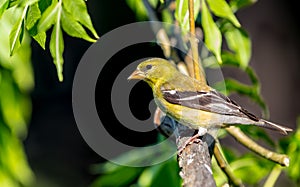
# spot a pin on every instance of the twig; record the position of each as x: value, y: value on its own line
x: 253, y: 146
x: 225, y: 167
x: 161, y: 35
x: 151, y: 14
x: 198, y: 70
x: 273, y: 176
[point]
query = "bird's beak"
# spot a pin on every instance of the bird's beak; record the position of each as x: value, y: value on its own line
x: 137, y: 74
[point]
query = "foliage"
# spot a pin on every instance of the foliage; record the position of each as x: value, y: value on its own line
x: 218, y: 22
x: 20, y: 20
x: 164, y: 174
x: 16, y: 80
x: 291, y: 146
x: 37, y: 17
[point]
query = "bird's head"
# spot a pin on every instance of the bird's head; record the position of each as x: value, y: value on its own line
x: 153, y: 70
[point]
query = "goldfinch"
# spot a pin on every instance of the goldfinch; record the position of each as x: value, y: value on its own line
x: 193, y: 103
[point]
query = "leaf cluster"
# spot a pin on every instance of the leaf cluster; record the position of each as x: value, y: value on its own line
x: 37, y: 17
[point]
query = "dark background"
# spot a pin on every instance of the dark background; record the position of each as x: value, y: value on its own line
x: 56, y: 151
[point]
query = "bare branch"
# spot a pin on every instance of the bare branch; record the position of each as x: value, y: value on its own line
x: 253, y: 146
x: 225, y: 166
x: 198, y: 70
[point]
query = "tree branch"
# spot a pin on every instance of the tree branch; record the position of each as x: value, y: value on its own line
x: 225, y: 167
x: 195, y: 164
x: 253, y: 146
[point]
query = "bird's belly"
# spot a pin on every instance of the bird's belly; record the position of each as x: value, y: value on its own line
x: 191, y: 117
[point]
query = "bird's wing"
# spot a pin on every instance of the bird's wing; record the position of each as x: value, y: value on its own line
x: 211, y: 101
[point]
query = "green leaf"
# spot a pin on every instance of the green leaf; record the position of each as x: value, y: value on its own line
x: 78, y: 9
x: 57, y: 46
x: 44, y: 4
x: 17, y: 33
x: 73, y: 28
x: 3, y: 6
x: 24, y: 3
x: 40, y: 38
x: 249, y: 163
x: 124, y: 176
x: 239, y: 42
x: 33, y: 15
x: 182, y: 13
x: 48, y: 17
x: 139, y: 8
x: 222, y: 9
x: 212, y: 34
x: 238, y: 4
x: 13, y: 3
x: 164, y: 174
x: 291, y: 146
x: 13, y: 160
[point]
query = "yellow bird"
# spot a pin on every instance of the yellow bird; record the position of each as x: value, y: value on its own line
x: 192, y: 103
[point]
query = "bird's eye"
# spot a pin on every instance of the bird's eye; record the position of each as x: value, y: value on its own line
x: 149, y: 66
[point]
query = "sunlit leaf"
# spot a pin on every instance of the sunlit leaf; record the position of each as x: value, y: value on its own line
x: 16, y: 79
x: 13, y: 3
x: 40, y: 38
x: 212, y: 34
x: 33, y: 15
x: 11, y: 105
x: 182, y: 13
x: 167, y: 16
x: 23, y: 3
x: 73, y: 28
x: 56, y: 49
x: 17, y: 33
x: 78, y: 10
x: 3, y: 6
x: 222, y: 9
x: 48, y: 17
x: 16, y: 36
x: 239, y: 42
x: 139, y: 8
x: 12, y: 158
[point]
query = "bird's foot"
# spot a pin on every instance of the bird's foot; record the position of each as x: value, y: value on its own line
x: 193, y: 139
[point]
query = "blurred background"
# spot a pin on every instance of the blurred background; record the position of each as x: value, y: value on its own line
x: 57, y: 153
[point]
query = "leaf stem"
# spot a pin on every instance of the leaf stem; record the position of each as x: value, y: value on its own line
x: 57, y: 46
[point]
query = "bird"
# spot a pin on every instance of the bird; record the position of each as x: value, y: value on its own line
x: 192, y: 103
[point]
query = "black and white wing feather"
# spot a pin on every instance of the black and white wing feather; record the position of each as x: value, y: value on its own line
x: 218, y: 103
x: 208, y: 101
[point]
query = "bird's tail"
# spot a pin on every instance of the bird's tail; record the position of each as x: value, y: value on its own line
x: 275, y: 127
